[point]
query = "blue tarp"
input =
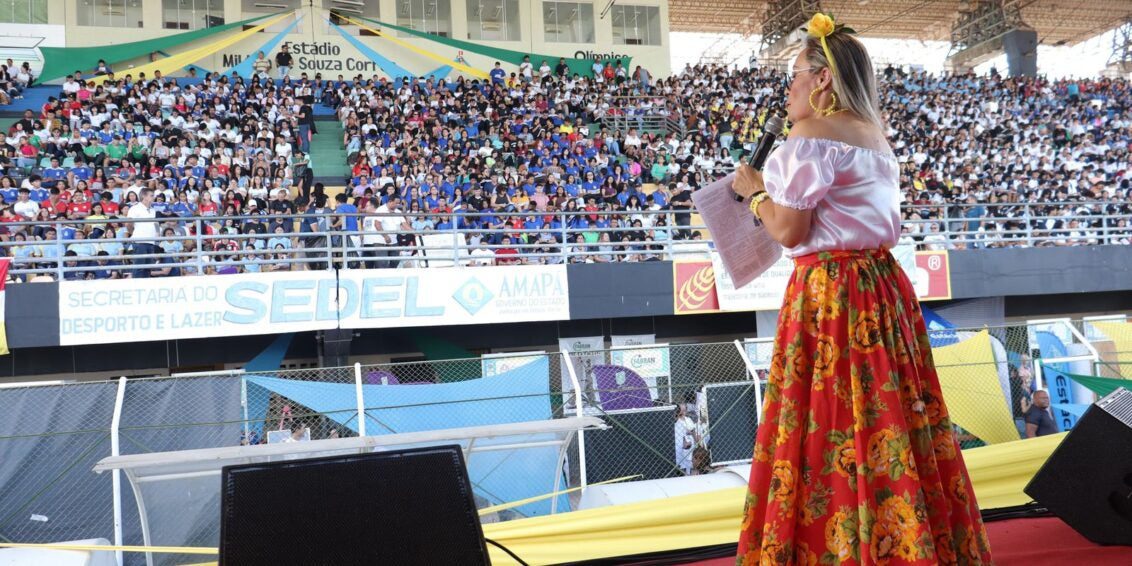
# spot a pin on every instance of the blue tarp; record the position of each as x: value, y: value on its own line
x: 1077, y: 409
x: 941, y: 332
x: 519, y: 395
x: 1058, y: 384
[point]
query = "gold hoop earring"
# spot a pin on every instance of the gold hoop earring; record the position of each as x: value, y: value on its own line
x: 823, y: 111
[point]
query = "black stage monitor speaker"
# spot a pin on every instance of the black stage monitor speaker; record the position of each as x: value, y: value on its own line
x: 377, y: 508
x: 1087, y: 481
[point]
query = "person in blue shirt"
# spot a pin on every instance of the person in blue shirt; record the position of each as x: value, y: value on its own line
x: 53, y: 174
x: 347, y: 222
x: 498, y: 75
x: 81, y: 172
x: 194, y: 168
x: 105, y: 135
x: 445, y: 223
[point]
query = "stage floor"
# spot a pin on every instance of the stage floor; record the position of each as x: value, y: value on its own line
x: 1043, y: 541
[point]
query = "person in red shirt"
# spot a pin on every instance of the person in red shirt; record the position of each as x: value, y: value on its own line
x: 55, y: 203
x: 591, y: 206
x: 206, y: 206
x: 79, y: 206
x: 109, y: 207
x: 507, y: 255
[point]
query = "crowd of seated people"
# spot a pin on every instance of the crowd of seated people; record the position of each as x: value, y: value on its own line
x: 214, y: 148
x: 984, y: 160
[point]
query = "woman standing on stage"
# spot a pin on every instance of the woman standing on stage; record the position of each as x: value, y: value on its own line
x: 855, y: 460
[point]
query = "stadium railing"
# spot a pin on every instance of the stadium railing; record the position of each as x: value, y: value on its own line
x: 201, y: 244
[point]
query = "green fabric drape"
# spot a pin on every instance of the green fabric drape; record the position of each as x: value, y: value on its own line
x: 62, y: 61
x: 1100, y: 385
x: 583, y: 67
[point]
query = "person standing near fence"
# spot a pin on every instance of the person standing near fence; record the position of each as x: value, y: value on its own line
x: 855, y: 460
x: 143, y: 232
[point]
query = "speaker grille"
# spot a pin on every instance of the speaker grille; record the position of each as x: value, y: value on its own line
x: 1119, y: 405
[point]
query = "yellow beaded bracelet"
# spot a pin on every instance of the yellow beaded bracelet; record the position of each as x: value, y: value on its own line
x: 756, y: 201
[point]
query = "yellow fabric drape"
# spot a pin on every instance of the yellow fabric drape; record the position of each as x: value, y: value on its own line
x: 968, y: 376
x: 181, y: 60
x: 422, y: 52
x: 998, y: 474
x: 1121, y: 335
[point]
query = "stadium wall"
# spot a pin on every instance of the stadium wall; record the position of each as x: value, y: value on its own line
x: 600, y: 299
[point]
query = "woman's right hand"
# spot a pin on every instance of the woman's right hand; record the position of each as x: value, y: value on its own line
x: 748, y: 181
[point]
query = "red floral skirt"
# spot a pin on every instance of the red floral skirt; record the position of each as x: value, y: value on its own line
x: 856, y: 461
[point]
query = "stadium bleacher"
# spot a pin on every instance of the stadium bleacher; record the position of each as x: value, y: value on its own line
x: 980, y: 156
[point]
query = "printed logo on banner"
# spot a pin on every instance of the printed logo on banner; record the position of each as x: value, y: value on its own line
x: 473, y: 296
x: 694, y: 289
x: 933, y: 277
x: 649, y: 362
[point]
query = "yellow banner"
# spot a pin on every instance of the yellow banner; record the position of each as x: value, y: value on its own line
x: 422, y: 52
x: 969, y: 378
x: 181, y: 60
x: 1121, y: 335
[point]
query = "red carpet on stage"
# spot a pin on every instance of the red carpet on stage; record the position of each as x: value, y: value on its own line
x: 1043, y: 541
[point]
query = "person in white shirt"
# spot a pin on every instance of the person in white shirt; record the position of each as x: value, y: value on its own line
x: 143, y: 234
x: 372, y: 238
x: 686, y: 437
x: 526, y: 69
x: 391, y: 223
x: 283, y: 148
x: 24, y: 206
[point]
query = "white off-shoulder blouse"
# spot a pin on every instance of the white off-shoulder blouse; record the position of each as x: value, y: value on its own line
x: 853, y: 191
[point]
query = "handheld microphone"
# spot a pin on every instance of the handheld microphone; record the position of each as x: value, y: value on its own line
x: 771, y: 131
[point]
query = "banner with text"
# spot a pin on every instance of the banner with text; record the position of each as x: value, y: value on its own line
x: 705, y: 286
x: 585, y: 353
x: 620, y: 340
x: 492, y: 365
x: 138, y: 310
x: 650, y: 362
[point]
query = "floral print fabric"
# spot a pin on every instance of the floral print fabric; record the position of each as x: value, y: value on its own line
x: 856, y: 460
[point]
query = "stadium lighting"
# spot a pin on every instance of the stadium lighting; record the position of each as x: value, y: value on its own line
x: 350, y: 3
x: 269, y: 5
x: 348, y: 10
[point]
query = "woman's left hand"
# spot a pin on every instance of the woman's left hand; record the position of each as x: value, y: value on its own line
x: 748, y: 181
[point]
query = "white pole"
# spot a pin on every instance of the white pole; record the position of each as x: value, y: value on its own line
x: 244, y: 406
x: 116, y: 479
x: 361, y: 400
x: 754, y: 377
x: 579, y: 411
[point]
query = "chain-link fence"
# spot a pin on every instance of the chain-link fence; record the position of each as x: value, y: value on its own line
x: 670, y: 410
x: 52, y: 437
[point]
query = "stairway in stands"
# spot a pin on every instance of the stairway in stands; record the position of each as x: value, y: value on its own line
x: 328, y: 156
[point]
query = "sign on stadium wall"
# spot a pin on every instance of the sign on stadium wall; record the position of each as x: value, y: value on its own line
x: 137, y: 310
x: 704, y: 286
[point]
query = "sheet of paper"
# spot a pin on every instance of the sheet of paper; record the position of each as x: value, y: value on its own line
x: 747, y: 250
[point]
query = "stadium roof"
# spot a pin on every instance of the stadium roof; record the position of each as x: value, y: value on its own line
x: 1056, y: 21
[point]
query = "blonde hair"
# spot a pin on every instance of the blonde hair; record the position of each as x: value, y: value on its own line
x: 855, y: 81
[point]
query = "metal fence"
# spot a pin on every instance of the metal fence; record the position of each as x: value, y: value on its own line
x: 101, y: 249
